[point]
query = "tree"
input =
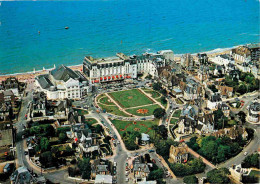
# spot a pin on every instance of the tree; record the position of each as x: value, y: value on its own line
x: 242, y: 89
x: 46, y: 159
x: 159, y: 113
x: 218, y: 176
x: 99, y: 129
x: 62, y: 137
x: 85, y: 168
x: 163, y: 91
x: 45, y: 144
x: 163, y: 100
x: 251, y: 161
x: 156, y: 174
x: 163, y: 131
x: 242, y: 116
x: 192, y: 179
x: 157, y: 86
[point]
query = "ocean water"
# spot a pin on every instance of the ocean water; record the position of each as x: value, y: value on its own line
x: 103, y: 28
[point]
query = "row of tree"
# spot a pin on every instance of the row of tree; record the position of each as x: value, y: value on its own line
x: 215, y: 149
x: 191, y: 167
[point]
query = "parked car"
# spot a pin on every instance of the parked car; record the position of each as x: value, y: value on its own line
x: 150, y: 151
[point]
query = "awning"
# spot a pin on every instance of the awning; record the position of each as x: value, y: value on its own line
x: 113, y: 77
x: 128, y: 77
x: 121, y: 76
x: 105, y: 78
x: 109, y: 77
x: 117, y: 76
x: 92, y: 82
x: 101, y: 78
x: 96, y: 81
x: 76, y: 139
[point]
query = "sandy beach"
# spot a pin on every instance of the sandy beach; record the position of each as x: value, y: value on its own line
x: 30, y: 76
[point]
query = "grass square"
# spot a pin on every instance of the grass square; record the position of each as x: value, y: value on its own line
x: 130, y: 98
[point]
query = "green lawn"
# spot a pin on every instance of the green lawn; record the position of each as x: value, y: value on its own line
x: 150, y: 109
x: 113, y: 110
x: 173, y: 121
x: 81, y: 112
x: 154, y: 94
x: 176, y: 113
x: 105, y: 100
x: 90, y: 121
x: 255, y: 173
x: 141, y: 126
x: 178, y: 101
x: 130, y: 98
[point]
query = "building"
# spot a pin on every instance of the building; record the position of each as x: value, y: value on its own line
x: 22, y: 175
x: 223, y: 59
x: 225, y: 91
x: 12, y: 84
x: 203, y: 59
x: 124, y: 67
x: 203, y: 73
x: 145, y: 138
x: 141, y: 171
x: 38, y: 105
x: 205, y: 123
x: 232, y: 132
x: 254, y: 112
x: 191, y: 90
x: 62, y: 83
x: 247, y: 52
x: 214, y: 101
x: 187, y: 61
x: 178, y: 154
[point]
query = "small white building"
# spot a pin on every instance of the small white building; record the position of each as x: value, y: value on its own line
x: 253, y: 112
x: 214, y: 101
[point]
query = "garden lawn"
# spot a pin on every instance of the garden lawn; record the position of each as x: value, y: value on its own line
x: 173, y: 121
x: 154, y: 94
x: 150, y: 109
x: 178, y: 101
x: 141, y: 126
x: 90, y: 121
x: 105, y: 100
x: 113, y: 110
x: 176, y: 113
x: 81, y: 112
x: 130, y: 98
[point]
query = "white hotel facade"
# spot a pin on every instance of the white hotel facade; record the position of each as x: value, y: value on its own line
x: 124, y: 67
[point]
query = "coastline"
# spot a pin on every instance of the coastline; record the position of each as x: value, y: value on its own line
x: 30, y: 75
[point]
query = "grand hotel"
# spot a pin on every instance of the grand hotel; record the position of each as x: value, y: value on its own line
x: 124, y: 67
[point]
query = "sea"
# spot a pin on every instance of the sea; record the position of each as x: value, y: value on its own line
x: 33, y: 34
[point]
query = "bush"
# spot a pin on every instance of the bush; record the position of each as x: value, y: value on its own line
x: 192, y: 179
x: 251, y: 161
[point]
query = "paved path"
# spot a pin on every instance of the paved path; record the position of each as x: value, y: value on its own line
x: 195, y: 154
x: 155, y: 101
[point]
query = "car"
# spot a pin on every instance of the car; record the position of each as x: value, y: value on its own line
x: 126, y: 179
x: 245, y: 153
x: 26, y: 153
x: 150, y: 151
x: 143, y: 118
x: 136, y: 154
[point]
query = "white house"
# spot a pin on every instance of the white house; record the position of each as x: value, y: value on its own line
x: 214, y: 101
x: 253, y: 112
x: 224, y: 59
x: 62, y: 83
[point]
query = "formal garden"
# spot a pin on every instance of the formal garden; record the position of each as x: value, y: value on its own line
x: 132, y: 102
